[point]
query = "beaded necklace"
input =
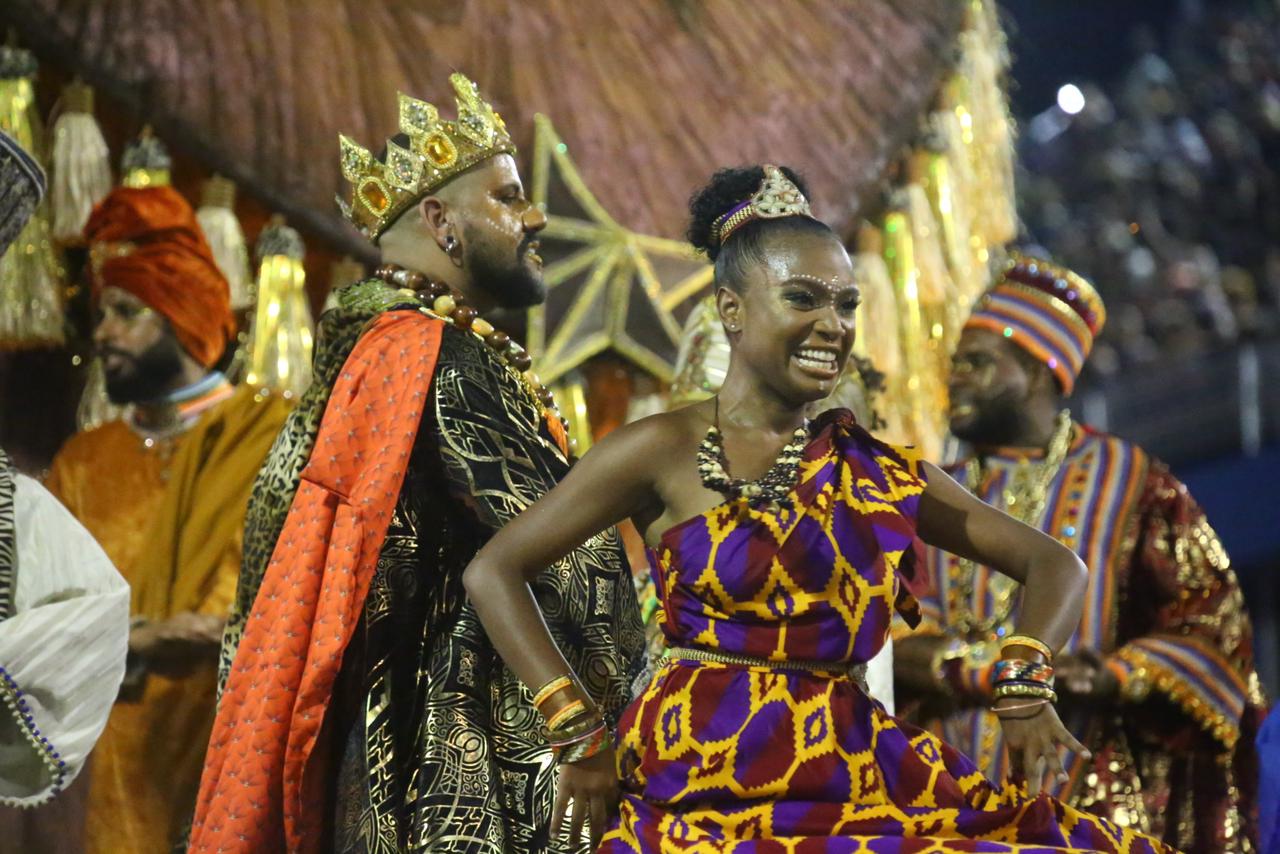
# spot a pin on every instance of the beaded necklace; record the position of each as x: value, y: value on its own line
x: 443, y: 303
x: 772, y: 489
x: 1024, y: 498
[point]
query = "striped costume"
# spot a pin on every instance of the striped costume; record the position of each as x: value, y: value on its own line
x: 1165, y: 613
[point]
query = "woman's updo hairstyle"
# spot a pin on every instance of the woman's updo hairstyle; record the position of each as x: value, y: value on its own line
x: 727, y: 189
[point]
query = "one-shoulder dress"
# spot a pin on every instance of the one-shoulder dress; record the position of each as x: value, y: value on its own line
x: 743, y: 757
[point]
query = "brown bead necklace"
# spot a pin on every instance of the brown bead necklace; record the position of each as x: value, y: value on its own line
x: 444, y: 303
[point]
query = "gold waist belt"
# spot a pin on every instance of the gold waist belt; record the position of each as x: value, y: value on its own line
x: 856, y: 672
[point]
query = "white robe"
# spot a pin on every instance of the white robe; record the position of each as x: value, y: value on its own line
x: 64, y: 648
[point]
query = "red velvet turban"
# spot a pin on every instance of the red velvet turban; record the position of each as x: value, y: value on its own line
x: 147, y: 241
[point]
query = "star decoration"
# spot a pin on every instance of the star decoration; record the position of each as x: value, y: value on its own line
x: 608, y: 288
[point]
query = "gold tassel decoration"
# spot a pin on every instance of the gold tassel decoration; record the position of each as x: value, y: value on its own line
x: 345, y: 271
x: 943, y: 313
x: 982, y: 131
x: 918, y: 390
x: 877, y: 335
x: 221, y: 228
x: 31, y: 271
x: 951, y: 211
x: 280, y: 333
x: 80, y: 167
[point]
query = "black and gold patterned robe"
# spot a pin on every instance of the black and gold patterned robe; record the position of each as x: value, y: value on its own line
x: 437, y: 747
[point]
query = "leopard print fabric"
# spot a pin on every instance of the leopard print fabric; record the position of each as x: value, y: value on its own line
x: 277, y: 482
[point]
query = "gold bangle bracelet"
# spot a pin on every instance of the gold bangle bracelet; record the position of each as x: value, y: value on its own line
x: 570, y: 711
x: 577, y: 727
x: 1043, y: 692
x: 1030, y: 643
x: 546, y: 692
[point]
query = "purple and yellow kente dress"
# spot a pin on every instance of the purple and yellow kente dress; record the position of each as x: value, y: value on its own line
x: 781, y: 750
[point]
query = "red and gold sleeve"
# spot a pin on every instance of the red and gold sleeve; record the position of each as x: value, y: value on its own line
x: 1189, y: 636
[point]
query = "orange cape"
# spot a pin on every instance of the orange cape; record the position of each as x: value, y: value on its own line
x: 260, y: 781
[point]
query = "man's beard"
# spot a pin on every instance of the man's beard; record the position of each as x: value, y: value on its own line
x: 509, y: 282
x: 148, y: 376
x: 995, y: 422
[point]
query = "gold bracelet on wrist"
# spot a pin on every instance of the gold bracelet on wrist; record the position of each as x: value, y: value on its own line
x: 570, y: 711
x: 549, y: 690
x: 1030, y: 643
x: 575, y: 729
x: 1012, y: 689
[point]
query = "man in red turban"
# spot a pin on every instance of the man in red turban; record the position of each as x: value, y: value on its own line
x: 164, y: 491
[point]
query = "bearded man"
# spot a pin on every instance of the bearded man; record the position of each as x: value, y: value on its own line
x: 1158, y: 681
x: 163, y: 491
x: 64, y: 622
x: 365, y: 709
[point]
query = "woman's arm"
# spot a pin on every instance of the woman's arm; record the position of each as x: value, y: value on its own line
x: 610, y: 483
x: 1054, y: 578
x: 955, y: 520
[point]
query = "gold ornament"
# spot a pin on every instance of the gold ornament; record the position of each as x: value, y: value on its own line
x: 438, y: 150
x: 628, y: 289
x: 280, y: 333
x: 31, y: 270
x: 776, y: 198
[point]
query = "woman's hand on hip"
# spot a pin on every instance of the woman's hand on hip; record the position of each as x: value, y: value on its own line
x: 588, y: 794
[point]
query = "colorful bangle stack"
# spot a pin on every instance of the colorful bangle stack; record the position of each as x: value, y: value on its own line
x: 1017, y: 678
x: 576, y: 730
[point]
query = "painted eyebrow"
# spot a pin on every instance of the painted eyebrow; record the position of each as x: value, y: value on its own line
x: 838, y: 287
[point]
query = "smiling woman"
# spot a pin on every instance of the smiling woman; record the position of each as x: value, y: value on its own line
x: 780, y: 549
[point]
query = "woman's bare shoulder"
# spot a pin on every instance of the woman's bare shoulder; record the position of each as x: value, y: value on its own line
x: 655, y: 436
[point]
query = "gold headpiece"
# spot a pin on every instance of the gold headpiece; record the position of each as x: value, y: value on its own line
x: 776, y: 198
x: 438, y: 150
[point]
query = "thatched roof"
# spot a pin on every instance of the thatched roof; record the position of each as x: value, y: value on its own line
x: 651, y: 95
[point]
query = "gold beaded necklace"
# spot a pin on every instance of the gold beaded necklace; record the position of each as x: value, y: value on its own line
x: 443, y: 303
x: 1025, y: 496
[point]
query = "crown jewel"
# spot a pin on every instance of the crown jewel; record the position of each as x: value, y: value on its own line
x: 438, y: 151
x: 777, y: 197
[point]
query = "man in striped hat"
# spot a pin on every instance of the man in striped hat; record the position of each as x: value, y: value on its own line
x: 1158, y: 680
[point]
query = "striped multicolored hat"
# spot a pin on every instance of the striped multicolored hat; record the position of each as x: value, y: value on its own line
x: 1047, y: 310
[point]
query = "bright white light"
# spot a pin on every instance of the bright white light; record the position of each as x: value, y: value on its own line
x: 1070, y: 99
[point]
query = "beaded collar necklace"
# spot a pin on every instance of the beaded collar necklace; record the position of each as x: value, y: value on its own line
x: 442, y: 302
x: 771, y: 490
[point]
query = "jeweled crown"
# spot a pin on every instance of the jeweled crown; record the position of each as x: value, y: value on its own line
x: 438, y: 150
x: 776, y: 197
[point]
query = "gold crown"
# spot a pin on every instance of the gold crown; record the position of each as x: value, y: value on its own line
x: 438, y: 150
x: 777, y: 197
